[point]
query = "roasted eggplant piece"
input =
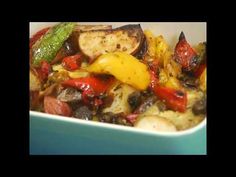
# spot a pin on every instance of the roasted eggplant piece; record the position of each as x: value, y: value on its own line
x: 185, y: 55
x: 127, y: 39
x: 143, y: 50
x: 69, y: 48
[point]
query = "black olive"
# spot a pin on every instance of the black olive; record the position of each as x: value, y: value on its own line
x: 83, y: 112
x: 199, y: 107
x: 145, y: 104
x: 134, y: 100
x: 188, y: 81
x: 110, y: 117
x: 106, y: 117
x: 147, y: 93
x: 71, y: 44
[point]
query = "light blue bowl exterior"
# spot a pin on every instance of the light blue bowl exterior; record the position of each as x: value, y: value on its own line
x: 50, y: 136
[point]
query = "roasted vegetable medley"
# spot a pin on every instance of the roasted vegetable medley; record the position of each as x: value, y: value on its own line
x: 122, y: 75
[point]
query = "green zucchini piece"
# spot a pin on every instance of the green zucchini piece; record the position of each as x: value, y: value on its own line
x: 46, y: 48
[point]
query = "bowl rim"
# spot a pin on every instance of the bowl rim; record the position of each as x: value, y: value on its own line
x: 119, y: 127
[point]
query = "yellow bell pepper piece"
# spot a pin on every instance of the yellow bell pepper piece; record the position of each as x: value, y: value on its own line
x: 173, y: 83
x: 123, y: 67
x: 167, y: 81
x: 161, y: 48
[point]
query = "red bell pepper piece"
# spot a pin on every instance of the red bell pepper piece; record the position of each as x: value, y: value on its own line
x: 88, y: 98
x: 185, y: 55
x: 154, y: 65
x: 95, y: 84
x: 200, y: 69
x: 174, y: 99
x: 153, y: 70
x: 87, y: 95
x: 90, y: 86
x: 37, y: 36
x: 98, y: 102
x: 44, y: 70
x: 72, y: 62
x: 154, y: 79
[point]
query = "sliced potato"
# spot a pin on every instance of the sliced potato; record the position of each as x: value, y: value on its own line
x: 181, y: 121
x: 184, y: 120
x: 155, y: 123
x: 193, y: 96
x: 151, y: 111
x: 120, y: 103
